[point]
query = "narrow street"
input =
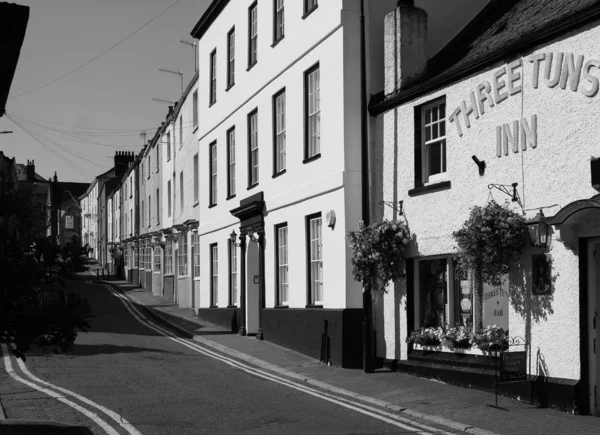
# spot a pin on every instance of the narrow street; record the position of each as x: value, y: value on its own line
x: 160, y: 386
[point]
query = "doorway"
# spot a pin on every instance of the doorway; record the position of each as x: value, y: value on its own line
x: 252, y: 287
x: 593, y: 302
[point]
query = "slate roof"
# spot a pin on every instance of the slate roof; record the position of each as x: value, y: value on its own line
x: 500, y: 31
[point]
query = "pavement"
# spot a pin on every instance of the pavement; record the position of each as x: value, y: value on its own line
x: 432, y: 401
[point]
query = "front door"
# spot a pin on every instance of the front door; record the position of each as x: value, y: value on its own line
x: 593, y: 255
x: 252, y: 287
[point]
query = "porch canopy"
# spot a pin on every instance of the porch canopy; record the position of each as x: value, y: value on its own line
x: 581, y: 210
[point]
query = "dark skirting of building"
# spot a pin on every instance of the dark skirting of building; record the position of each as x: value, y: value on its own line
x: 227, y: 318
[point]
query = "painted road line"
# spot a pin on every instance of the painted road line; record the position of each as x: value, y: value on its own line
x: 359, y: 407
x: 113, y: 415
x: 8, y: 366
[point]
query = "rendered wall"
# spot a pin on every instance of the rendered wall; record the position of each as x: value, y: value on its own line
x: 552, y: 174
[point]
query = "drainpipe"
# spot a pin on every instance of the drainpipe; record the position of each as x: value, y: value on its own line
x: 368, y: 360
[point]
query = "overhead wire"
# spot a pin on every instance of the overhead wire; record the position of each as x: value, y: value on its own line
x: 95, y: 57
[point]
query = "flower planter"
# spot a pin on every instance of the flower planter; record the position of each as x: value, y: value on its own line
x: 442, y: 348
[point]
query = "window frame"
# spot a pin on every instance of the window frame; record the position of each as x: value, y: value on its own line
x: 212, y: 93
x: 195, y: 109
x: 180, y: 130
x: 278, y: 26
x: 279, y: 300
x: 169, y: 256
x: 196, y: 179
x: 309, y: 7
x: 182, y: 255
x: 168, y: 136
x: 196, y: 254
x: 181, y: 190
x: 149, y: 210
x: 230, y: 58
x: 251, y: 182
x: 231, y: 187
x: 157, y: 268
x: 252, y: 61
x: 157, y: 206
x: 169, y: 198
x: 312, y: 301
x: 276, y: 152
x: 308, y: 157
x: 232, y: 267
x: 213, y: 173
x: 426, y: 178
x: 214, y: 275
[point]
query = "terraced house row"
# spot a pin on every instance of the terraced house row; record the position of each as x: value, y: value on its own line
x: 309, y: 118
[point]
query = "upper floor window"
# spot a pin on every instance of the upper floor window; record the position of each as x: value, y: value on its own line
x: 149, y: 165
x: 432, y: 143
x: 213, y: 173
x: 157, y: 206
x: 168, y: 141
x: 149, y: 211
x: 231, y: 162
x: 196, y: 178
x: 253, y: 148
x: 213, y: 77
x: 157, y: 157
x: 181, y: 190
x: 313, y: 112
x: 180, y: 131
x: 309, y: 6
x: 278, y: 32
x: 279, y: 131
x: 169, y: 198
x: 253, y: 34
x: 195, y: 109
x: 231, y: 58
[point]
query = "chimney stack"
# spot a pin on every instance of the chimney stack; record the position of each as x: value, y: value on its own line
x: 122, y: 159
x: 405, y: 45
x: 30, y: 170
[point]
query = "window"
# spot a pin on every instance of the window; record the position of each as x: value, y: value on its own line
x: 174, y: 204
x: 214, y: 275
x: 169, y: 257
x: 213, y: 77
x: 313, y: 113
x: 169, y: 198
x: 195, y: 109
x: 142, y: 182
x: 130, y: 187
x: 315, y: 259
x: 130, y: 222
x: 148, y: 255
x: 168, y: 141
x: 231, y: 58
x: 196, y: 255
x: 231, y: 162
x: 309, y: 6
x: 149, y: 165
x: 432, y: 143
x: 149, y: 211
x: 213, y: 173
x: 278, y: 21
x: 253, y: 148
x: 157, y: 206
x: 282, y: 263
x: 279, y: 131
x: 143, y: 212
x: 142, y: 250
x: 126, y: 255
x: 233, y: 286
x: 253, y: 34
x: 136, y: 250
x: 157, y: 259
x: 181, y: 189
x: 195, y: 178
x: 182, y: 254
x: 157, y: 158
x: 180, y: 131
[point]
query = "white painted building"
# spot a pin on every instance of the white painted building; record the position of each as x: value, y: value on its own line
x: 280, y: 144
x: 518, y: 90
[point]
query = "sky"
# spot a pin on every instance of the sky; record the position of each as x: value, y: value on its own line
x: 74, y: 126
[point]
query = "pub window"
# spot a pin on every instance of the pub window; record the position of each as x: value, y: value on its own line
x: 430, y: 152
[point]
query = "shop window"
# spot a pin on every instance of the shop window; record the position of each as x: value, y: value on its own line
x: 157, y: 255
x: 439, y: 302
x: 182, y: 254
x: 169, y: 257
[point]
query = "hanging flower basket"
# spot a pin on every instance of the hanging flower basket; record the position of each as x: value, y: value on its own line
x: 489, y: 239
x: 377, y: 253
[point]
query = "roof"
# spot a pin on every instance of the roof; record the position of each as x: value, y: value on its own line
x: 68, y: 190
x: 108, y: 174
x: 209, y: 17
x: 111, y: 185
x: 13, y: 23
x: 504, y: 28
x: 22, y: 173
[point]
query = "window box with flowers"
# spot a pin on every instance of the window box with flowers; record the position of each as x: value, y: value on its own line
x: 378, y: 251
x: 460, y: 339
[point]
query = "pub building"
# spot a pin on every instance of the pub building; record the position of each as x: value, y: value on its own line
x: 507, y: 111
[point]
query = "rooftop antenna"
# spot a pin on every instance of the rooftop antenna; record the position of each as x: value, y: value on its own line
x: 193, y: 45
x: 160, y: 100
x: 179, y: 73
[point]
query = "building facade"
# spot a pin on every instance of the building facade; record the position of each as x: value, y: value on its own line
x: 507, y: 112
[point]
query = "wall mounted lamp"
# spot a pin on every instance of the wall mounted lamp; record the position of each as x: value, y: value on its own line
x: 480, y: 164
x: 232, y: 238
x: 538, y: 230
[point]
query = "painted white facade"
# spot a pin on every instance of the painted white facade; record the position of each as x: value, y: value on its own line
x: 89, y: 221
x: 329, y: 37
x: 552, y: 172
